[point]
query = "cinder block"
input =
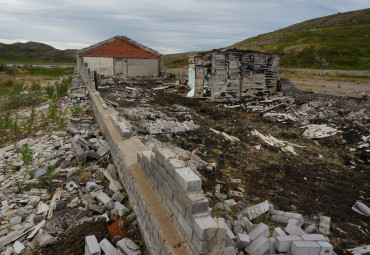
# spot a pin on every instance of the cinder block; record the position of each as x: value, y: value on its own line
x: 194, y: 202
x: 314, y: 237
x: 305, y: 248
x: 187, y: 179
x: 259, y: 246
x: 202, y: 224
x: 293, y: 229
x: 103, y: 198
x: 92, y: 246
x: 325, y: 248
x: 278, y: 232
x: 107, y: 247
x: 246, y: 224
x: 260, y: 230
x: 120, y: 208
x: 128, y: 247
x: 171, y: 164
x: 256, y: 210
x: 185, y: 225
x: 283, y: 243
x: 242, y: 241
x: 272, y: 249
x: 91, y: 186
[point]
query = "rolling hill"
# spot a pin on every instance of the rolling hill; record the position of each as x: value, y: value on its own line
x: 34, y: 52
x: 339, y: 41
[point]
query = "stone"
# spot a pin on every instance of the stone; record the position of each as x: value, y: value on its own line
x: 108, y: 248
x: 18, y: 247
x: 92, y: 246
x: 45, y: 239
x: 57, y: 145
x: 92, y: 154
x: 242, y: 241
x: 70, y: 186
x: 260, y: 230
x: 82, y: 142
x: 305, y: 248
x: 259, y: 246
x: 103, y: 198
x: 91, y: 186
x: 72, y: 130
x: 42, y: 207
x: 118, y: 196
x: 77, y: 150
x: 39, y: 173
x: 128, y: 247
x: 234, y: 193
x: 230, y: 250
x: 325, y: 248
x: 187, y: 179
x: 324, y: 225
x: 15, y: 220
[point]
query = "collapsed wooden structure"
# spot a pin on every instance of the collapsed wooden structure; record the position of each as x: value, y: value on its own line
x: 233, y: 74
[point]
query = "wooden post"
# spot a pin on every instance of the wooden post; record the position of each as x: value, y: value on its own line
x: 96, y: 81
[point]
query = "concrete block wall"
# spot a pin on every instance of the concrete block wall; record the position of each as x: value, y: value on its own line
x: 159, y: 232
x: 180, y: 190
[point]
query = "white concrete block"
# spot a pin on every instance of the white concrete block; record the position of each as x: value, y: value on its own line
x: 325, y: 248
x: 187, y: 179
x: 283, y: 243
x: 92, y: 246
x: 242, y: 241
x: 259, y: 246
x: 256, y: 210
x: 260, y: 230
x: 305, y: 248
x: 103, y: 198
x: 107, y: 247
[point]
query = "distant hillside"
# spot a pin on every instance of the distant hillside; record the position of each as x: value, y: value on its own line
x: 35, y: 52
x: 339, y: 41
x: 176, y: 60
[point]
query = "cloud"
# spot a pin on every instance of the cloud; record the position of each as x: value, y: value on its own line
x: 167, y: 26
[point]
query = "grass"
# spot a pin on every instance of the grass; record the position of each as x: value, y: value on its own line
x: 176, y: 60
x: 31, y: 63
x: 327, y: 77
x: 339, y: 48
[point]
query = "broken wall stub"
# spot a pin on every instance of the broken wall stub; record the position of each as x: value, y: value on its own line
x: 234, y: 74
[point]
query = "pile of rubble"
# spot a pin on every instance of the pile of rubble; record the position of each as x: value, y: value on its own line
x: 67, y: 182
x: 294, y: 235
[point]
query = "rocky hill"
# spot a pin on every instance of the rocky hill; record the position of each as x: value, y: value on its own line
x: 35, y: 52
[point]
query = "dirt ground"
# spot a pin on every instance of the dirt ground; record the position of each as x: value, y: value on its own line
x: 320, y: 180
x: 339, y: 82
x: 73, y: 243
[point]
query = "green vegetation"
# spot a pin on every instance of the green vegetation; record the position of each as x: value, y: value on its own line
x: 44, y: 71
x: 48, y: 177
x: 62, y: 86
x: 176, y: 60
x: 50, y: 89
x: 27, y: 156
x: 76, y: 109
x: 33, y: 52
x: 338, y: 41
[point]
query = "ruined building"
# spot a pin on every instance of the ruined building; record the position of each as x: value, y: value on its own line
x: 233, y: 74
x: 120, y: 55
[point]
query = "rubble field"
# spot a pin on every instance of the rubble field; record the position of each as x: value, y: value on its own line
x: 59, y: 190
x: 303, y: 152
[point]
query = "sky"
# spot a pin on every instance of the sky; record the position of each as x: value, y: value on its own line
x: 168, y: 26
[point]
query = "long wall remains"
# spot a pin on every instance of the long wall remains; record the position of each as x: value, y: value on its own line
x: 172, y: 210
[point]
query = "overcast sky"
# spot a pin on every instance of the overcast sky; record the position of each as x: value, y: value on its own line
x: 168, y: 26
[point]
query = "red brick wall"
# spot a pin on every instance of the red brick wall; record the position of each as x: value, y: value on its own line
x: 119, y: 48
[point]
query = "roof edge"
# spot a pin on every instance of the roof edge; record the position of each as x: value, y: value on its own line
x: 134, y: 43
